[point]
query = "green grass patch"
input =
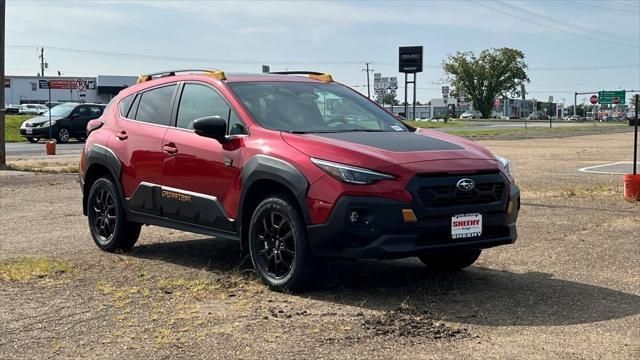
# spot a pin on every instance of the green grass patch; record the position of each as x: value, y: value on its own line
x: 29, y: 268
x: 435, y: 124
x: 12, y: 127
x: 535, y: 131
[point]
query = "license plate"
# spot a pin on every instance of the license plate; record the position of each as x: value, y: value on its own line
x: 466, y: 226
x: 29, y: 131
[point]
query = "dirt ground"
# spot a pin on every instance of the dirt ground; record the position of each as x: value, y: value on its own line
x: 568, y: 288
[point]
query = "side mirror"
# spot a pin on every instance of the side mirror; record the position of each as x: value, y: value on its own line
x: 74, y: 116
x: 213, y: 127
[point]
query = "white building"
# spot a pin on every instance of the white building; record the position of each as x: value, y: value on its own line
x: 35, y: 90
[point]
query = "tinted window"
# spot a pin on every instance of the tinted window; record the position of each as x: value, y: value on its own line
x: 96, y: 111
x: 125, y: 105
x: 313, y: 107
x: 199, y: 101
x: 155, y: 105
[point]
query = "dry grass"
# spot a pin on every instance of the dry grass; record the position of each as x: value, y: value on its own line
x: 29, y: 268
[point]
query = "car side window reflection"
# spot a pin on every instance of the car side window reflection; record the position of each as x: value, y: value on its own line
x: 198, y: 101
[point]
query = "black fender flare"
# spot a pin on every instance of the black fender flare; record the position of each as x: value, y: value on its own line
x: 101, y: 155
x: 264, y: 167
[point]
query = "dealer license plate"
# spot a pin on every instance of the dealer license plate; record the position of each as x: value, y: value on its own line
x: 29, y: 131
x: 466, y: 226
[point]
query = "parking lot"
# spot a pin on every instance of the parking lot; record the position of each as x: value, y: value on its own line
x: 568, y: 288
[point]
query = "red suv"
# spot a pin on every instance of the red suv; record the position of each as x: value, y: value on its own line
x: 294, y: 166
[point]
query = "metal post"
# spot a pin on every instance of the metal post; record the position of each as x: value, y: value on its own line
x: 575, y: 102
x: 3, y: 159
x: 406, y: 104
x: 414, y: 95
x: 635, y: 138
x: 49, y: 87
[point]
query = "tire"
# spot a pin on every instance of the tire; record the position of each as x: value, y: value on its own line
x: 33, y: 140
x: 108, y: 225
x: 451, y: 261
x: 63, y: 135
x: 278, y: 245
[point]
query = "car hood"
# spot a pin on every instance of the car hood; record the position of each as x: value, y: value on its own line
x: 42, y: 119
x: 380, y: 150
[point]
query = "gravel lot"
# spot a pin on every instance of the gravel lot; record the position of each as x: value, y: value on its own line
x: 568, y: 288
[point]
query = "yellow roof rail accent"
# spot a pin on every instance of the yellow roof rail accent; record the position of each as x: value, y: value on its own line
x: 143, y: 78
x: 324, y: 77
x: 218, y: 74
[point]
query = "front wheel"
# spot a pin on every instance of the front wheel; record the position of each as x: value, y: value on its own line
x: 107, y: 220
x: 278, y: 245
x: 451, y: 261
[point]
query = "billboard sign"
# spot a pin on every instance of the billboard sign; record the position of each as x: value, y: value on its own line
x: 410, y: 59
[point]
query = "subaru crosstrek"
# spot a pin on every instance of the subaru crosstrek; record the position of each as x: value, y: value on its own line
x: 294, y: 166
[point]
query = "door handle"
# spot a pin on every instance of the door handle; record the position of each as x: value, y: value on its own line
x: 122, y: 135
x: 170, y: 149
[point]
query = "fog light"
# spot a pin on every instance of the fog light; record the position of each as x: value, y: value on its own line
x: 355, y: 216
x: 409, y: 216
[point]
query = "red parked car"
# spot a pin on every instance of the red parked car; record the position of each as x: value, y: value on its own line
x: 294, y: 166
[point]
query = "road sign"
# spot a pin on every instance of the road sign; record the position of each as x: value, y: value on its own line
x: 606, y: 96
x: 410, y: 59
x: 616, y: 100
x: 80, y: 84
x: 593, y: 99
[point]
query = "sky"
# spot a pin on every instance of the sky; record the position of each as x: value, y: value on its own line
x: 569, y: 45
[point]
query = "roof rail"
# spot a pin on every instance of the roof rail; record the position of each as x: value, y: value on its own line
x: 324, y: 77
x: 218, y: 74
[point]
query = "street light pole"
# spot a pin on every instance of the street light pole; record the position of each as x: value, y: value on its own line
x: 3, y: 159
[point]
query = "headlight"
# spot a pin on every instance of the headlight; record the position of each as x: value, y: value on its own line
x: 506, y: 165
x: 350, y: 174
x: 46, y: 123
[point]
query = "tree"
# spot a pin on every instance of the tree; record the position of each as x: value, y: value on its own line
x: 494, y: 72
x: 390, y: 99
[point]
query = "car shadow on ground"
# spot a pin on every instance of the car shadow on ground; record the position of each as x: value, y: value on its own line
x: 478, y: 295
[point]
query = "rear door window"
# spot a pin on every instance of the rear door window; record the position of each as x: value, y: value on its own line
x: 155, y: 105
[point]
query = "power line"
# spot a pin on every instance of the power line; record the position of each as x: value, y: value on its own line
x: 549, y: 26
x: 603, y: 7
x: 569, y: 25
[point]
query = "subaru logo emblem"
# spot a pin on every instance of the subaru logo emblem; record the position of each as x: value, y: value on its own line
x: 466, y: 184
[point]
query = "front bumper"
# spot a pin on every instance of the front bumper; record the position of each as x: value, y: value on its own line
x: 38, y: 132
x: 381, y: 231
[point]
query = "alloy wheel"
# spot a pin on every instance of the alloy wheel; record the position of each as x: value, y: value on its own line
x: 275, y: 244
x: 104, y: 215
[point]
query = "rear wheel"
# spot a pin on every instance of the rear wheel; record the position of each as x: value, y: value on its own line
x: 107, y: 220
x: 278, y: 245
x: 33, y: 140
x: 451, y: 261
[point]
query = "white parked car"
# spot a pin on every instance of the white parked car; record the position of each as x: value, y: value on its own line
x: 471, y: 114
x: 33, y: 109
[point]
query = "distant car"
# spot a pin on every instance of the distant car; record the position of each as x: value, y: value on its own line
x: 538, y: 115
x: 33, y: 109
x: 11, y: 109
x: 577, y: 118
x: 607, y: 118
x: 67, y: 120
x: 471, y: 114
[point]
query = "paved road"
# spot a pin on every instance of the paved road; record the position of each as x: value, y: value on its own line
x: 28, y: 149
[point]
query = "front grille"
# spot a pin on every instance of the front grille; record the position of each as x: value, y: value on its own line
x: 450, y: 195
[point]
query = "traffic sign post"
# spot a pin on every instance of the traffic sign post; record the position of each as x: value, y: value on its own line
x: 632, y: 181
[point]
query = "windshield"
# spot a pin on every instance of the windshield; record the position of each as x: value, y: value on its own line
x: 60, y: 110
x: 311, y: 107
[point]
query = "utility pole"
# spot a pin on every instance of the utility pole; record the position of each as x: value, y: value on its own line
x: 368, y: 84
x: 3, y: 159
x: 42, y: 63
